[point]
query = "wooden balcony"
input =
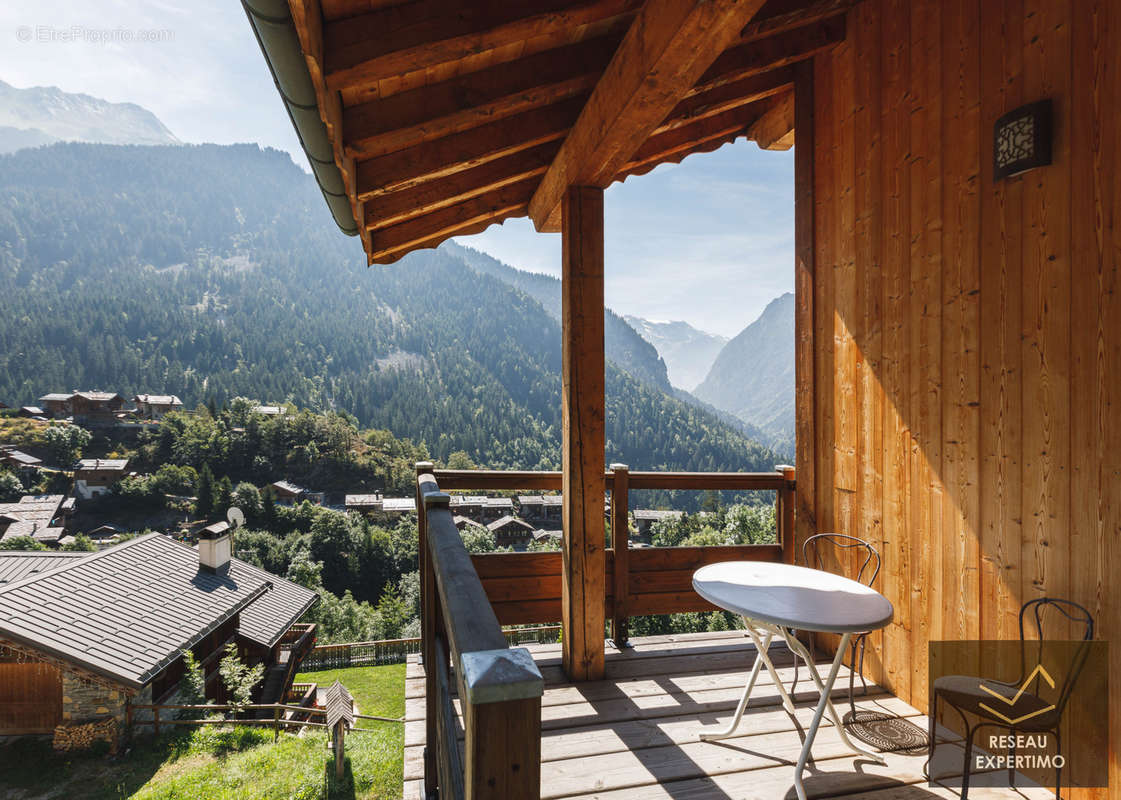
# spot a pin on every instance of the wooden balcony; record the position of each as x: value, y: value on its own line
x: 487, y: 720
x: 634, y: 735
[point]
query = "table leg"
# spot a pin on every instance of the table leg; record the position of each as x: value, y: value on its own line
x: 827, y: 690
x: 787, y: 703
x: 759, y: 656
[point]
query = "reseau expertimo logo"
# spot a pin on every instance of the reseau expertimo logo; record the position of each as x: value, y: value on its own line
x: 1019, y: 713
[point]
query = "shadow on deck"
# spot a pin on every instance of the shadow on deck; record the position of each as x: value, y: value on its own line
x: 634, y: 736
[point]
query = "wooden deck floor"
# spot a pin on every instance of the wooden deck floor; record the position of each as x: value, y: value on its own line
x: 634, y: 736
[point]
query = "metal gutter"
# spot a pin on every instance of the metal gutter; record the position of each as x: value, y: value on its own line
x: 272, y: 24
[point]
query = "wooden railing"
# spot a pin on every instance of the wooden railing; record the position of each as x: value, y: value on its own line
x: 499, y: 687
x: 526, y: 587
x: 396, y: 651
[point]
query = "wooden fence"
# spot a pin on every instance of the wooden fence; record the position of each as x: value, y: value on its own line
x: 396, y: 651
x: 283, y: 716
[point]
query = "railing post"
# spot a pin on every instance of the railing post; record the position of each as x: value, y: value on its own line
x: 620, y: 536
x: 502, y: 724
x: 784, y: 513
x: 428, y: 614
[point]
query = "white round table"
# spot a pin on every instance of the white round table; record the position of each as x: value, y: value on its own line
x: 778, y: 599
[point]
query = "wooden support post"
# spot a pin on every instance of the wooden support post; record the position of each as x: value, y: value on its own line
x: 340, y: 749
x: 156, y: 721
x: 582, y: 580
x: 784, y: 514
x: 620, y: 536
x: 428, y: 614
x: 275, y: 725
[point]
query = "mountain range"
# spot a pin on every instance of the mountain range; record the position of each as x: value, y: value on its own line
x: 213, y: 271
x: 43, y: 114
x: 687, y: 351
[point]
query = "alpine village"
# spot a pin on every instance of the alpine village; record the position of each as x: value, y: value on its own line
x: 568, y: 399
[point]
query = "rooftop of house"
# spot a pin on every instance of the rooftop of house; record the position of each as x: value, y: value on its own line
x: 270, y: 411
x: 287, y: 487
x: 362, y: 500
x: 38, y: 510
x: 398, y: 504
x: 21, y: 458
x: 56, y: 397
x: 18, y: 564
x: 656, y: 514
x: 507, y: 521
x: 34, y: 411
x: 98, y: 397
x: 158, y: 399
x: 102, y: 465
x: 127, y: 612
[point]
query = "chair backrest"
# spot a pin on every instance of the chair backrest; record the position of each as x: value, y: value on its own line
x: 1082, y: 624
x: 814, y: 550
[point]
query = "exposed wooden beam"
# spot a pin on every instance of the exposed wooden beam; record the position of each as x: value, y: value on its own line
x: 431, y: 112
x: 775, y: 129
x: 424, y: 198
x: 667, y: 48
x: 583, y: 577
x: 413, y: 36
x: 698, y: 137
x: 727, y: 96
x: 805, y: 13
x: 469, y: 216
x: 773, y: 52
x: 441, y: 157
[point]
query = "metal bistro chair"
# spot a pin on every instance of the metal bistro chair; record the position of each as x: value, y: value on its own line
x: 813, y: 555
x: 962, y: 692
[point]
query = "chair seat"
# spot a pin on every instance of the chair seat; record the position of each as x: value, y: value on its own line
x: 964, y: 692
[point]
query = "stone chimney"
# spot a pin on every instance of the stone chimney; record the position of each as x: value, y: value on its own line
x: 215, y: 548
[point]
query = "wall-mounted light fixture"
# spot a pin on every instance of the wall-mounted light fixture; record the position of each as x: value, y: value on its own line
x: 1022, y: 140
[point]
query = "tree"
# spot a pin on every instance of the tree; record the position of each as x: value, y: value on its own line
x: 21, y: 543
x: 268, y: 510
x: 223, y: 497
x: 66, y: 442
x: 192, y: 687
x: 248, y: 499
x: 238, y: 678
x: 204, y: 497
x: 304, y: 571
x: 81, y: 544
x: 11, y: 489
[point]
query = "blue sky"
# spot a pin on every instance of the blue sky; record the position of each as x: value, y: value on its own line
x: 709, y: 241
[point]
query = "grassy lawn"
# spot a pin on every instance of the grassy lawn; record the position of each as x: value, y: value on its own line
x: 212, y: 763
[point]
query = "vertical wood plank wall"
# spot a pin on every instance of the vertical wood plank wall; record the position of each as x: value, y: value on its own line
x: 967, y: 334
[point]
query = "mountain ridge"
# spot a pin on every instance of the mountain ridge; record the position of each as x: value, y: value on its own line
x: 41, y: 115
x: 688, y: 351
x: 213, y: 271
x: 753, y: 376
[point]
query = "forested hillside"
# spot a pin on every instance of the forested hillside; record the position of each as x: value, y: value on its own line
x: 215, y: 271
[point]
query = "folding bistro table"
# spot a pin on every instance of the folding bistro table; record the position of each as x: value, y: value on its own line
x: 778, y: 599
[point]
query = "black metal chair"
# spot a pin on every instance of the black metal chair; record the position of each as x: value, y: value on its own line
x: 814, y: 551
x: 964, y: 695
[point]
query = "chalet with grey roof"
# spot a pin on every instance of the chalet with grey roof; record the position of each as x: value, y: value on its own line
x: 155, y: 406
x: 39, y: 516
x: 103, y: 630
x: 511, y: 532
x: 94, y: 476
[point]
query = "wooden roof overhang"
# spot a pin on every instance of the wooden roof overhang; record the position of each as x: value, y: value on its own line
x: 447, y: 116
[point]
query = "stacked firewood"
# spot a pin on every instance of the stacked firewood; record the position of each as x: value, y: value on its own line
x: 82, y: 737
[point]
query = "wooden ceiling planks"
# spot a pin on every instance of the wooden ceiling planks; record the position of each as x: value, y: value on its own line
x: 405, y: 38
x: 447, y: 117
x: 665, y: 50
